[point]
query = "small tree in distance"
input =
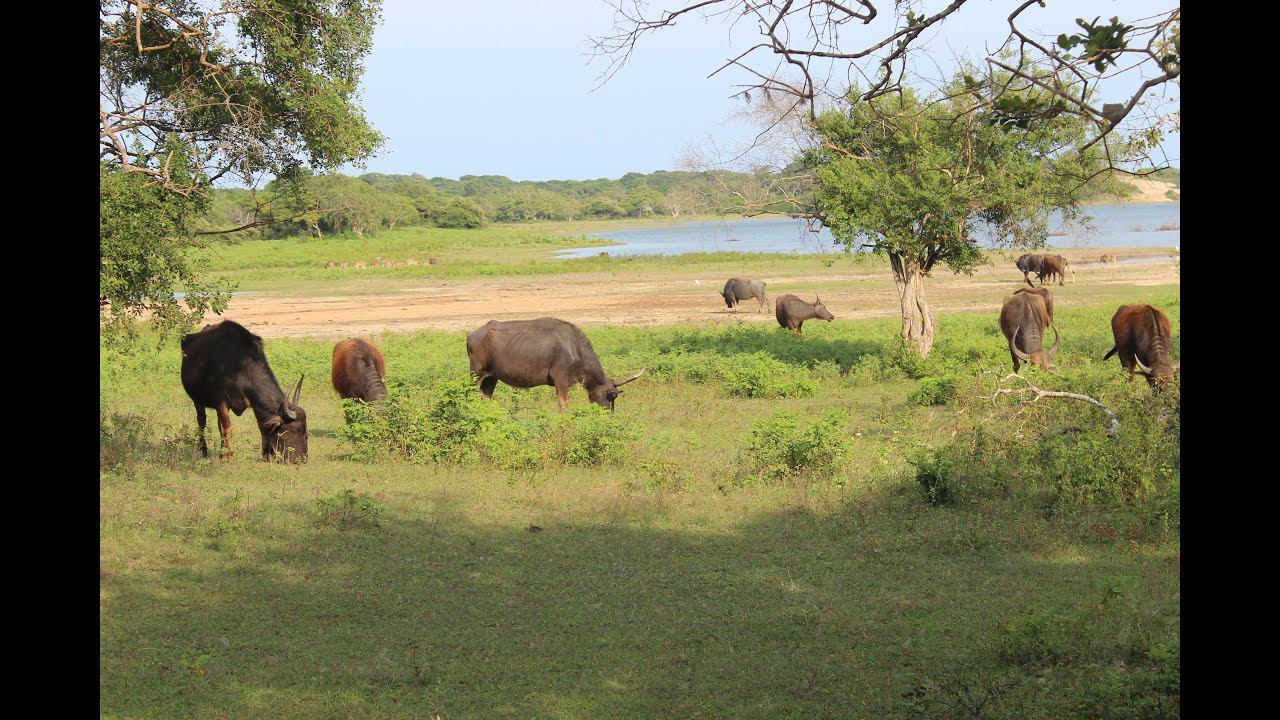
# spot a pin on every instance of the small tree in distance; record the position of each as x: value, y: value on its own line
x: 913, y: 178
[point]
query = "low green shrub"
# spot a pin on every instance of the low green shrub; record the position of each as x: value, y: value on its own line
x: 348, y: 509
x: 453, y: 423
x: 788, y: 444
x: 933, y: 391
x: 760, y: 375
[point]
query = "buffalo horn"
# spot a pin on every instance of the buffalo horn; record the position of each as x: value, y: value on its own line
x: 633, y: 377
x: 1013, y: 346
x: 297, y: 390
x: 1054, y: 350
x: 1141, y: 367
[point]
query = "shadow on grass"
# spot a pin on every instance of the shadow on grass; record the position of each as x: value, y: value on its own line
x: 782, y: 345
x: 789, y: 615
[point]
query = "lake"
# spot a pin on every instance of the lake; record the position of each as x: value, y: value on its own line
x: 1110, y: 226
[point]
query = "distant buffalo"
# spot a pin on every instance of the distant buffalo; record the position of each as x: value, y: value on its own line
x: 1107, y: 258
x: 224, y: 368
x: 358, y: 370
x: 546, y: 351
x: 739, y: 289
x: 1023, y: 320
x: 791, y: 312
x: 1055, y: 266
x: 1143, y: 336
x: 1029, y: 263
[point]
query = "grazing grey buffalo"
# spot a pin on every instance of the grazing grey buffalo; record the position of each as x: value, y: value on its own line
x: 1143, y: 337
x: 739, y: 289
x: 225, y: 368
x: 1023, y: 320
x: 546, y: 351
x: 358, y: 370
x: 1029, y: 263
x: 791, y: 312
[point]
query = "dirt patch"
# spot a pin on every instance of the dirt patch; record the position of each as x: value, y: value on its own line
x: 646, y: 299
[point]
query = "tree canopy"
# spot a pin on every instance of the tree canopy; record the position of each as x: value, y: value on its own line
x: 912, y: 177
x: 192, y: 93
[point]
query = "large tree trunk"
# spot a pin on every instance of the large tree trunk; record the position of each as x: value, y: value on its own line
x: 917, y: 317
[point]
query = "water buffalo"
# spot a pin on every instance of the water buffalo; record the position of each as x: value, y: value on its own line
x: 791, y: 312
x: 546, y: 351
x: 1143, y: 336
x: 739, y: 289
x: 1052, y: 266
x: 358, y: 370
x: 1025, y: 315
x: 1029, y: 263
x: 1044, y: 293
x: 225, y: 368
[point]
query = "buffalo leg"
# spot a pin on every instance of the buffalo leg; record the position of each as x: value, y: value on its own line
x: 562, y: 394
x: 1016, y: 364
x: 224, y: 427
x: 487, y: 386
x: 200, y: 420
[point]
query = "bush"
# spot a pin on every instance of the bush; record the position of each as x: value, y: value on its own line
x: 963, y: 471
x: 453, y: 423
x: 590, y: 435
x: 347, y: 510
x: 933, y: 391
x: 788, y: 444
x: 760, y: 375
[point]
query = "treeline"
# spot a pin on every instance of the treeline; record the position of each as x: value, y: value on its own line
x: 331, y: 204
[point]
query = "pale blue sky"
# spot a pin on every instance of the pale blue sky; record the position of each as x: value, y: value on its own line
x: 503, y: 87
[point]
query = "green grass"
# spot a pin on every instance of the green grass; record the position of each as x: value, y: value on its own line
x: 654, y: 585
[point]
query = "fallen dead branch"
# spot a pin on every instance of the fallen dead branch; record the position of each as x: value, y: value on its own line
x: 1112, y: 429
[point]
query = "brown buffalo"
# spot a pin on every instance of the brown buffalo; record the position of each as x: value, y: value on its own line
x: 546, y: 351
x: 1023, y: 320
x: 1055, y: 266
x: 359, y: 370
x: 791, y: 312
x: 1143, y: 337
x: 1044, y: 293
x: 1107, y: 258
x: 224, y: 367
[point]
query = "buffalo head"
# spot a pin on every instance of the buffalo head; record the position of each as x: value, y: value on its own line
x: 820, y: 311
x: 606, y: 393
x: 285, y: 433
x: 1036, y: 357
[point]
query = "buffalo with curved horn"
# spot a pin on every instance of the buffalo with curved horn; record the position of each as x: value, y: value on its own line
x: 1025, y: 314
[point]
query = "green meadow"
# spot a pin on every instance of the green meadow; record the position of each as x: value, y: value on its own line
x: 767, y: 527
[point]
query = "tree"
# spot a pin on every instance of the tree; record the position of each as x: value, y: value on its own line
x: 913, y: 177
x: 809, y: 52
x: 196, y: 92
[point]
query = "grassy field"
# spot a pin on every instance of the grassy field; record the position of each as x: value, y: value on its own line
x: 645, y: 565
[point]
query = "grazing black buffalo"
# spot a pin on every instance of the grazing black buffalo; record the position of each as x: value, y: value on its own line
x: 791, y: 312
x: 1029, y: 263
x: 225, y: 368
x: 739, y: 289
x: 358, y: 370
x: 1143, y: 337
x: 546, y: 351
x: 1023, y: 320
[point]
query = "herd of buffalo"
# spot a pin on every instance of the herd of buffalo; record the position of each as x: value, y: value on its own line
x: 225, y: 368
